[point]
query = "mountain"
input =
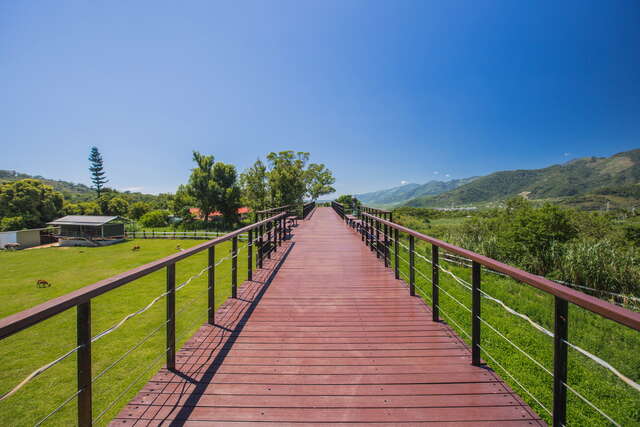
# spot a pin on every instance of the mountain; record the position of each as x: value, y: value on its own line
x: 577, y: 179
x: 399, y: 195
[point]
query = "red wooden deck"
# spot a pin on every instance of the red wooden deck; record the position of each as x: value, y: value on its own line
x: 332, y: 338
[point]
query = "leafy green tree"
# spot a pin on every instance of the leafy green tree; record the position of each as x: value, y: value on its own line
x: 255, y: 186
x: 227, y: 191
x: 137, y: 209
x: 12, y: 223
x: 118, y: 206
x: 30, y: 199
x: 159, y: 218
x: 89, y: 208
x: 98, y: 177
x: 180, y: 202
x: 319, y: 181
x: 287, y: 177
x: 202, y: 186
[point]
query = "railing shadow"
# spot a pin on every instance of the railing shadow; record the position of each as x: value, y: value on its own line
x: 194, y: 396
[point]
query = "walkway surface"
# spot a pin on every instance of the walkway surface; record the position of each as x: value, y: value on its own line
x: 325, y: 335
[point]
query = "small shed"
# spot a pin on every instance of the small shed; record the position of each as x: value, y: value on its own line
x: 90, y: 228
x: 22, y: 238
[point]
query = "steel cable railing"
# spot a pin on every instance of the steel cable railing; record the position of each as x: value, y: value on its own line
x: 274, y: 228
x: 371, y: 230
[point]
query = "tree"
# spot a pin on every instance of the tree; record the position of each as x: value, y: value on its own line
x: 30, y: 199
x: 319, y: 181
x: 159, y: 218
x: 202, y: 186
x: 348, y: 202
x: 227, y: 199
x: 12, y: 223
x: 97, y: 170
x: 118, y: 206
x: 287, y: 177
x: 138, y: 209
x: 255, y: 187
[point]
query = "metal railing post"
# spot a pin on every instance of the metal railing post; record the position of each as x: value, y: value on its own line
x: 269, y: 227
x: 475, y: 314
x: 234, y: 267
x: 560, y: 337
x: 377, y: 225
x: 260, y: 253
x: 171, y: 317
x: 83, y: 363
x: 396, y: 256
x: 211, y: 280
x: 435, y: 283
x: 412, y: 272
x: 386, y: 245
x: 250, y: 255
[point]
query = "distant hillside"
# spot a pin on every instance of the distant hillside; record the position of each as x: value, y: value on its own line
x: 402, y: 194
x: 72, y: 192
x: 575, y: 180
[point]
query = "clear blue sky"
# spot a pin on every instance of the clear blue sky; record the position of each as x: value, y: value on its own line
x: 380, y: 91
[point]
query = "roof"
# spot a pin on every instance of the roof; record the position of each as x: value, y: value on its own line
x: 196, y: 212
x: 91, y: 220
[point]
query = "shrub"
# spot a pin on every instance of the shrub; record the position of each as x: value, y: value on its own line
x: 159, y: 218
x: 12, y: 223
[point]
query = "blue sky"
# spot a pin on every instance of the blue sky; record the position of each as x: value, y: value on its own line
x: 380, y: 91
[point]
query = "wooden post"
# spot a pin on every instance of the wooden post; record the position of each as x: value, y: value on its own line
x: 475, y: 314
x: 83, y: 326
x: 412, y: 273
x: 435, y: 283
x: 234, y: 267
x: 171, y: 317
x: 560, y: 337
x: 211, y: 279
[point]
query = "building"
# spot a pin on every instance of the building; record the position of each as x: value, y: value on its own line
x: 243, y: 211
x: 87, y: 230
x: 24, y: 238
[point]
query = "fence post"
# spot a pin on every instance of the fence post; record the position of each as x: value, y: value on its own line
x: 396, y: 246
x: 435, y: 280
x: 250, y: 256
x: 475, y: 314
x: 386, y: 245
x: 83, y: 326
x: 269, y: 227
x: 234, y: 267
x: 171, y: 317
x: 260, y: 253
x: 412, y: 272
x: 211, y: 282
x: 561, y: 329
x: 377, y: 225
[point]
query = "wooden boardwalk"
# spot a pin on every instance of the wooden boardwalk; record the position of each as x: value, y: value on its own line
x: 325, y: 335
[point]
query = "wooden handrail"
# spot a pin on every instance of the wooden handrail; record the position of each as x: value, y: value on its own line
x: 593, y: 304
x: 22, y: 320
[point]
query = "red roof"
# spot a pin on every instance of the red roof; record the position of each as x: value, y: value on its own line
x: 196, y: 212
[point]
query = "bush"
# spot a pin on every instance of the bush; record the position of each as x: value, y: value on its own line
x: 138, y: 209
x: 159, y: 218
x: 12, y: 223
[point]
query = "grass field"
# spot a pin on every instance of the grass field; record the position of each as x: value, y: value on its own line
x: 68, y: 269
x: 608, y: 340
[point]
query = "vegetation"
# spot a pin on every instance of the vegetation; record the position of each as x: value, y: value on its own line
x: 592, y: 249
x: 98, y: 177
x: 349, y: 202
x: 28, y: 203
x: 68, y: 269
x: 399, y: 195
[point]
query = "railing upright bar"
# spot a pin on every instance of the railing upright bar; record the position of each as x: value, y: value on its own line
x: 269, y: 227
x: 250, y: 256
x: 211, y: 285
x: 561, y: 329
x: 234, y: 268
x: 396, y: 248
x: 171, y: 317
x: 377, y: 225
x: 435, y: 283
x: 475, y: 314
x: 412, y: 272
x: 83, y: 319
x: 260, y: 253
x: 386, y: 245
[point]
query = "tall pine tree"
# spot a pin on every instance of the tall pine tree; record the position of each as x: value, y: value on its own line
x: 97, y: 170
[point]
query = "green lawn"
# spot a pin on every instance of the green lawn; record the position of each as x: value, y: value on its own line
x: 72, y: 268
x: 608, y: 340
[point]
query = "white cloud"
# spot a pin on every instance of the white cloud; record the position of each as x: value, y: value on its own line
x: 403, y: 182
x: 567, y: 154
x: 436, y: 173
x: 448, y: 176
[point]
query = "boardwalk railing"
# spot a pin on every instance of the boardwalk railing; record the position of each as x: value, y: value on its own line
x: 195, y: 235
x: 372, y: 224
x: 274, y: 227
x: 298, y: 211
